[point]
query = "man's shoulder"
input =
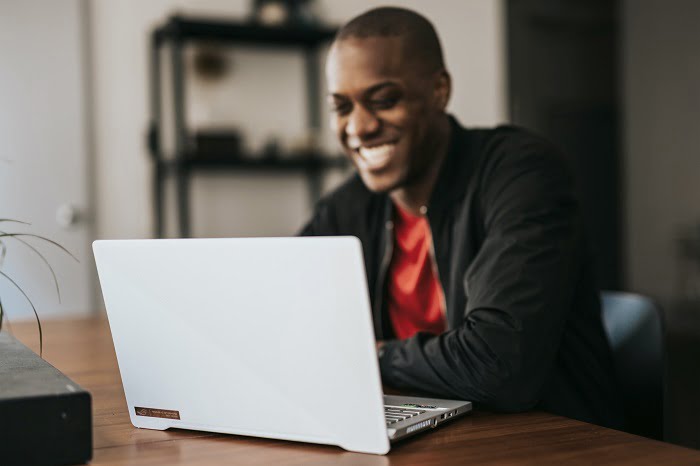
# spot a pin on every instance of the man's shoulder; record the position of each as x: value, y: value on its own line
x: 351, y: 188
x: 510, y: 141
x: 350, y: 191
x: 350, y: 205
x: 505, y: 146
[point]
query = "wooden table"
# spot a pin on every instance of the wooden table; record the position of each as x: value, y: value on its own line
x: 83, y: 350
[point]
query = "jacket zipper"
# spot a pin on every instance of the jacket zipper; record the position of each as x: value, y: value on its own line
x: 436, y: 271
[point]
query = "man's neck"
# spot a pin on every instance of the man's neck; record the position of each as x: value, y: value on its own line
x: 414, y: 198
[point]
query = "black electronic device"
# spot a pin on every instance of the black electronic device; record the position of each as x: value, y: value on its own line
x: 45, y: 418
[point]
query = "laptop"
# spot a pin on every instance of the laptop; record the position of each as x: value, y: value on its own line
x: 265, y: 337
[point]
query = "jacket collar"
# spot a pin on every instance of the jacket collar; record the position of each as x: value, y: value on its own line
x: 451, y: 182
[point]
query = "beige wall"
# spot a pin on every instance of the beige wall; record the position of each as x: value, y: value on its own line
x: 240, y: 205
x: 661, y: 68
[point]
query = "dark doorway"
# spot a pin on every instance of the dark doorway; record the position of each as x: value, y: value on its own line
x: 563, y: 84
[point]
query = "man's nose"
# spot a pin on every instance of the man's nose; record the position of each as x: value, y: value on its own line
x: 361, y: 123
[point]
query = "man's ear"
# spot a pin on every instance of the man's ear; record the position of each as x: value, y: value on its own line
x: 443, y: 89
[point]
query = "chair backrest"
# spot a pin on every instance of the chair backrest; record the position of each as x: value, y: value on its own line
x: 633, y: 324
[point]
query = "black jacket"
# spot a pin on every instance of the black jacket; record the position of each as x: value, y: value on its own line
x: 523, y: 313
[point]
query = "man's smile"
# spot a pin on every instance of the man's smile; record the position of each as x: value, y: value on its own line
x: 376, y: 157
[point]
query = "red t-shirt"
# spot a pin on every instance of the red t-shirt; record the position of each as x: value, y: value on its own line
x: 415, y: 294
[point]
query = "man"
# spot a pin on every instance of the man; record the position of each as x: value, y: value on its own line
x: 480, y: 285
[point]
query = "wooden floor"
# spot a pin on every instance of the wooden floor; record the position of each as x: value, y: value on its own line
x: 83, y: 350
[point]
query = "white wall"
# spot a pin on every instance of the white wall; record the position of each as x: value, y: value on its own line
x: 44, y: 157
x: 661, y: 68
x: 237, y: 205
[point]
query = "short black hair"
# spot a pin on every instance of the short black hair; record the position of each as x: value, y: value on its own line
x: 421, y: 37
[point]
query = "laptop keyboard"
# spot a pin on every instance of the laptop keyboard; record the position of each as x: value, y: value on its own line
x: 394, y: 414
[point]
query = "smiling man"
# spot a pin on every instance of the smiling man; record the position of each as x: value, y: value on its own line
x: 477, y: 265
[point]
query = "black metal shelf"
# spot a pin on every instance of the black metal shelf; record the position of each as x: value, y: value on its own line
x: 279, y: 164
x: 176, y: 32
x: 198, y: 29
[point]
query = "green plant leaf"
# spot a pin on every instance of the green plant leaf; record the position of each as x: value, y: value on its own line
x: 13, y: 221
x: 4, y: 319
x: 36, y: 314
x: 3, y: 251
x: 53, y: 273
x: 31, y: 235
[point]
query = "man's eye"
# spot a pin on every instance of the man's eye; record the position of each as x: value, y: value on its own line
x: 341, y: 108
x: 383, y: 104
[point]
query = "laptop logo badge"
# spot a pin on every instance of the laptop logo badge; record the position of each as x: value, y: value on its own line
x: 152, y: 412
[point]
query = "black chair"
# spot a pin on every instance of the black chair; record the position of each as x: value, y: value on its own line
x: 633, y: 324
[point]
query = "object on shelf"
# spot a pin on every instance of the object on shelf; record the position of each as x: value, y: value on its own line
x: 271, y: 150
x: 284, y: 12
x: 307, y: 142
x: 210, y: 62
x: 217, y: 144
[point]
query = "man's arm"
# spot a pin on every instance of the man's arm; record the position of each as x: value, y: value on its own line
x: 519, y: 290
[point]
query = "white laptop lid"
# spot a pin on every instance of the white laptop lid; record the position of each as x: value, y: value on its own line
x: 267, y: 337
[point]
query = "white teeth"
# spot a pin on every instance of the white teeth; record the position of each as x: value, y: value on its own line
x: 377, y: 155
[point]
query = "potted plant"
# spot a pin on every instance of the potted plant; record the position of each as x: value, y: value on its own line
x: 19, y: 237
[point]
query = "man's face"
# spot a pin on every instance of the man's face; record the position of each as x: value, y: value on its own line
x: 384, y: 107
